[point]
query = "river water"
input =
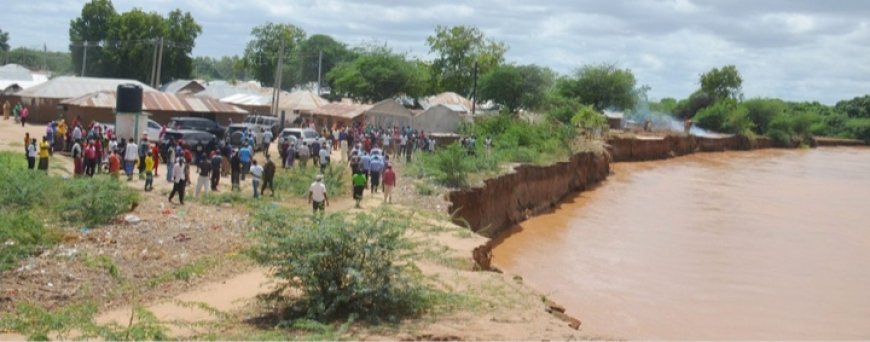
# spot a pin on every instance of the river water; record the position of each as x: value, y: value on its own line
x: 771, y: 244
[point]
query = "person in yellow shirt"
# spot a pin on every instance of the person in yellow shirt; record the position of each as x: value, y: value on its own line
x: 61, y: 135
x: 6, y: 109
x: 43, y: 154
x: 149, y: 172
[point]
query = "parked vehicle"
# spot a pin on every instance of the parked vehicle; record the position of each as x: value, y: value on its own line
x: 236, y: 132
x: 306, y: 135
x: 199, y: 124
x: 190, y: 139
x: 266, y: 122
x: 153, y: 130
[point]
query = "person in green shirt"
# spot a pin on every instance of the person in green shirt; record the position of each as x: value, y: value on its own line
x: 359, y: 186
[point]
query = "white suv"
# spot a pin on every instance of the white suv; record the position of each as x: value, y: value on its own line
x: 306, y: 135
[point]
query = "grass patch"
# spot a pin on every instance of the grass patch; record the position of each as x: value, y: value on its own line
x: 104, y: 262
x: 296, y: 181
x: 76, y: 322
x: 186, y: 272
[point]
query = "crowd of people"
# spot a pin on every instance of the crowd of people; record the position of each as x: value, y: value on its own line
x: 95, y: 149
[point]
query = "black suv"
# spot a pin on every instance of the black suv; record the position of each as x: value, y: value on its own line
x: 199, y: 124
x: 195, y: 141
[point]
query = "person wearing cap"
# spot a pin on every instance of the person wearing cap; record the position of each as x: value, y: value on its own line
x: 317, y: 195
x: 389, y: 183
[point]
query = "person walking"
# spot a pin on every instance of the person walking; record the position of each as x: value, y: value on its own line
x: 204, y: 170
x: 324, y: 159
x: 90, y: 158
x: 290, y: 155
x: 235, y: 170
x: 6, y: 109
x: 268, y: 177
x: 149, y: 171
x: 303, y: 153
x: 114, y: 164
x: 155, y: 154
x: 179, y: 181
x: 216, y: 163
x: 131, y: 154
x: 25, y: 113
x: 44, y: 152
x: 170, y: 161
x: 31, y: 154
x: 267, y: 141
x: 359, y: 186
x: 366, y: 162
x: 376, y: 166
x: 143, y: 152
x: 389, y: 183
x: 245, y: 155
x: 256, y: 176
x: 78, y: 162
x: 317, y: 196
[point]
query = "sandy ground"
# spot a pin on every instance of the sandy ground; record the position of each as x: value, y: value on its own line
x: 169, y: 236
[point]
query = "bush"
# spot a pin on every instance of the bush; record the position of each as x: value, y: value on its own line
x: 22, y: 235
x: 859, y: 129
x: 94, y: 200
x: 342, y: 266
x: 296, y: 181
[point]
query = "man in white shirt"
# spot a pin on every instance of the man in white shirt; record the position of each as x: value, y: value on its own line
x: 131, y: 155
x: 256, y: 175
x: 317, y: 195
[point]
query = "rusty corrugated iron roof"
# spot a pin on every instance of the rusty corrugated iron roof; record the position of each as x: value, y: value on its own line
x: 157, y: 101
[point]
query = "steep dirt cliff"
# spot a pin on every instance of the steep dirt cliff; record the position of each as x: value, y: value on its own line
x: 503, y: 201
x: 663, y: 147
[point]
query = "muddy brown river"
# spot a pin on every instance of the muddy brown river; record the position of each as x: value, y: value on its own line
x: 771, y: 244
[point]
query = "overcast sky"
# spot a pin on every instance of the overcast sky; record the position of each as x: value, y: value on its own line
x: 791, y: 49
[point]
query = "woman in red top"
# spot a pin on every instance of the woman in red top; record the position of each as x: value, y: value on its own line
x: 389, y: 183
x: 155, y: 151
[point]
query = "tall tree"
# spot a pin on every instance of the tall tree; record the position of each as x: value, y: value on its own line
x: 130, y: 44
x: 602, y: 86
x: 179, y: 40
x: 517, y: 87
x: 377, y: 74
x: 4, y: 41
x: 261, y: 54
x: 722, y: 83
x: 458, y: 49
x: 306, y: 58
x: 91, y: 27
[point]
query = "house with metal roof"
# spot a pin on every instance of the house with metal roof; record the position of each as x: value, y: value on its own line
x: 442, y: 118
x: 44, y: 100
x: 389, y: 113
x: 338, y: 113
x: 182, y: 87
x: 100, y: 107
x: 15, y: 78
x: 446, y: 98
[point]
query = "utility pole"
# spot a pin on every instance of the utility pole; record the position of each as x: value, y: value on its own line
x: 474, y: 92
x: 153, y: 64
x: 159, y: 64
x: 276, y: 90
x: 44, y: 57
x: 84, y: 57
x: 319, y: 71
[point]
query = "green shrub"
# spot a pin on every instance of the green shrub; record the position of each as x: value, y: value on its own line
x: 25, y: 190
x: 94, y: 200
x: 296, y: 181
x: 859, y: 129
x: 342, y: 266
x: 22, y: 235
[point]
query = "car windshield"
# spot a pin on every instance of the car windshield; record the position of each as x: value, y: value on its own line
x: 310, y: 134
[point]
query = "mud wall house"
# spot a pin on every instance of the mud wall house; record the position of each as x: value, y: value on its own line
x: 45, y: 100
x: 389, y: 113
x: 338, y: 114
x: 162, y: 107
x: 441, y: 118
